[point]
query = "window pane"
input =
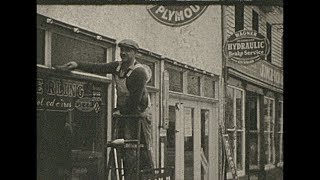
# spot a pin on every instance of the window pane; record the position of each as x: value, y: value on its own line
x: 271, y: 115
x: 239, y: 108
x: 171, y: 136
x: 278, y: 142
x: 281, y: 147
x: 269, y: 37
x: 240, y: 152
x: 253, y: 149
x: 175, y: 80
x: 252, y: 109
x: 271, y: 107
x: 280, y: 120
x: 65, y: 49
x: 56, y: 145
x: 208, y: 87
x: 267, y: 146
x: 239, y: 17
x: 266, y: 115
x: 229, y: 108
x: 205, y: 132
x: 272, y: 148
x: 40, y: 46
x: 255, y: 21
x: 188, y: 143
x: 232, y: 147
x: 193, y: 84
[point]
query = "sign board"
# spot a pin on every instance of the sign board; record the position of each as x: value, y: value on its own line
x: 175, y: 15
x: 246, y: 47
x: 225, y: 139
x: 58, y: 93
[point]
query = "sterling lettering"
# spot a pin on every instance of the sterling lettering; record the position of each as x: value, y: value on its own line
x: 58, y: 87
x: 175, y: 15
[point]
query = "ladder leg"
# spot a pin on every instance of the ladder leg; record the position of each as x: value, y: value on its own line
x: 109, y: 167
x: 116, y: 163
x: 138, y: 148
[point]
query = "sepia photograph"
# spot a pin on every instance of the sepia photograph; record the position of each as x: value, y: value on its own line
x: 160, y: 90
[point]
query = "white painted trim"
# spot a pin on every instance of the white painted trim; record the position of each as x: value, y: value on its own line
x: 269, y: 167
x: 47, y: 48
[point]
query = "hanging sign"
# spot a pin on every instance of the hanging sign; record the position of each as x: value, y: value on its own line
x: 175, y: 15
x: 246, y: 47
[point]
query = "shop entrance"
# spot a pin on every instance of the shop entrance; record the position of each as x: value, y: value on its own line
x: 188, y: 138
x: 253, y: 121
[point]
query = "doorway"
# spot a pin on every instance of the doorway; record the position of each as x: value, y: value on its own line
x: 188, y: 138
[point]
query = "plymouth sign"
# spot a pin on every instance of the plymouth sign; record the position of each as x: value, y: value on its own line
x: 246, y: 47
x: 175, y: 15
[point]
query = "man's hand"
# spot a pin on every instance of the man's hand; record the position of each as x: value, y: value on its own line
x: 68, y: 66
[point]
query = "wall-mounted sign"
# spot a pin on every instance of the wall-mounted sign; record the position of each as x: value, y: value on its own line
x: 246, y: 47
x: 175, y: 15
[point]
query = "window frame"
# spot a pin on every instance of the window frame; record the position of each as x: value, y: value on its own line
x: 51, y: 26
x: 235, y: 130
x: 280, y: 133
x: 258, y: 132
x: 270, y: 163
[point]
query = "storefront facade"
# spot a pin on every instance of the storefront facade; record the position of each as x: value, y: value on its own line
x: 254, y: 96
x: 186, y: 64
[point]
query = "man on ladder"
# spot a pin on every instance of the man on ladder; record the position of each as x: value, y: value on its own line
x: 132, y: 99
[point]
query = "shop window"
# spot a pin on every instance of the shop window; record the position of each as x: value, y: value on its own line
x: 40, y: 46
x: 65, y: 49
x: 208, y: 87
x: 255, y: 21
x: 193, y: 84
x: 280, y: 134
x: 269, y: 120
x: 235, y: 126
x: 175, y: 80
x: 239, y: 22
x: 269, y: 33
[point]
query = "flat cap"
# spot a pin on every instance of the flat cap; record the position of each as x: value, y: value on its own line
x: 129, y: 43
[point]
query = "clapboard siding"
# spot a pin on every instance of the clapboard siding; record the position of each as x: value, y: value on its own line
x: 276, y: 35
x: 230, y: 20
x: 247, y: 15
x: 276, y: 56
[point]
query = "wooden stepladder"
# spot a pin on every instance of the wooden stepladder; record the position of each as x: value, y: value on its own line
x: 118, y: 146
x: 225, y: 139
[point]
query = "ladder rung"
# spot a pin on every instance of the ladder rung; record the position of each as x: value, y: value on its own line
x: 133, y: 146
